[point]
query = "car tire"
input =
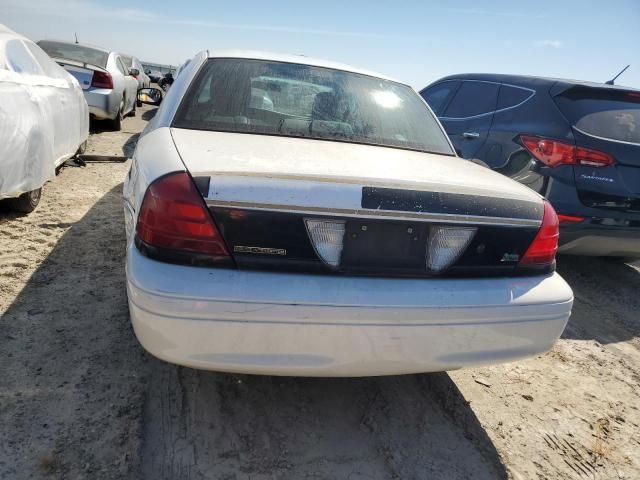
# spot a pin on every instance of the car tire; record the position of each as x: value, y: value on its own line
x: 165, y: 87
x: 133, y: 112
x: 116, y: 123
x: 27, y: 202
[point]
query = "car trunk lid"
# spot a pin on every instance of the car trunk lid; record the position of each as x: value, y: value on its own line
x: 270, y: 196
x: 82, y: 72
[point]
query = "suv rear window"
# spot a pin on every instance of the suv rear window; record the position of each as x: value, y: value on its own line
x: 77, y: 53
x: 607, y: 113
x: 296, y: 100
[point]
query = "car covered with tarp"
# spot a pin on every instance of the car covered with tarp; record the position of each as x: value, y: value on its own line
x: 44, y: 119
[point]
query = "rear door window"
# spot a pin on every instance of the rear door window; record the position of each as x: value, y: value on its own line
x: 438, y: 95
x: 603, y: 112
x: 512, y: 96
x: 473, y: 98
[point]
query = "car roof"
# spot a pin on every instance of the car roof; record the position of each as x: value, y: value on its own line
x: 78, y: 44
x: 299, y: 59
x: 530, y: 80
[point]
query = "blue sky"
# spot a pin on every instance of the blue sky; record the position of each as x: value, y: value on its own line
x: 413, y: 41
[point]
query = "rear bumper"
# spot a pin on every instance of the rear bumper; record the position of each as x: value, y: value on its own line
x: 103, y: 103
x: 314, y: 325
x: 587, y: 238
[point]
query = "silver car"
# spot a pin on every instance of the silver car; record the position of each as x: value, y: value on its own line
x: 109, y: 87
x: 133, y: 63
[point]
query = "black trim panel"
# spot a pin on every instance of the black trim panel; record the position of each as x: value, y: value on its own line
x: 376, y: 198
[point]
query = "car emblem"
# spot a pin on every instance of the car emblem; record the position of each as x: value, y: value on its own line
x: 262, y: 250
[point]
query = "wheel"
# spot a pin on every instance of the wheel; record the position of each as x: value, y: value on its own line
x: 132, y: 113
x: 27, y: 202
x: 117, y: 122
x: 165, y: 87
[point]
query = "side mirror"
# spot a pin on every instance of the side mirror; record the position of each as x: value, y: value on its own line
x: 150, y: 96
x: 134, y: 72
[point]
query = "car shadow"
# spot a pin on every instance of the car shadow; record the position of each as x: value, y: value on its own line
x: 211, y: 425
x: 606, y: 298
x: 149, y: 114
x: 130, y: 145
x: 72, y: 370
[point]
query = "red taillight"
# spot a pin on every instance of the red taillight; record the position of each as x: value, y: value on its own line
x: 554, y: 153
x: 542, y: 250
x: 102, y: 80
x: 173, y: 216
x: 569, y: 218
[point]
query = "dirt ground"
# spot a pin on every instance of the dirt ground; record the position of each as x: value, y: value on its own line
x: 80, y: 399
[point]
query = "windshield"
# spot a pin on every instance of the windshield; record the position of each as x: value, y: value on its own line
x: 254, y: 96
x: 76, y: 53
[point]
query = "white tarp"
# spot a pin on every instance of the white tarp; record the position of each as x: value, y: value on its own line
x: 43, y: 115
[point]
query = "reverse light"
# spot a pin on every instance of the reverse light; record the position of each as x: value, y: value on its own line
x: 445, y: 246
x: 102, y: 80
x: 173, y: 217
x: 553, y: 153
x: 327, y: 237
x: 542, y: 251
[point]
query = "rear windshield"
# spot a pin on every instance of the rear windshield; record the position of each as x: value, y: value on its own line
x: 254, y: 96
x: 606, y: 113
x: 77, y: 53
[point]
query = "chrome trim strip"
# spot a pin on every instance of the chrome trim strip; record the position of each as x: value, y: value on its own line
x: 377, y: 214
x: 605, y: 138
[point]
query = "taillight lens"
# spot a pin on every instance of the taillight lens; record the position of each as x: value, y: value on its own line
x: 173, y: 216
x: 554, y: 153
x: 102, y: 80
x: 542, y: 251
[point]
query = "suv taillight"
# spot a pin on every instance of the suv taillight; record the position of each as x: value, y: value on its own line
x: 174, y: 223
x: 554, y: 153
x: 542, y: 251
x: 102, y: 80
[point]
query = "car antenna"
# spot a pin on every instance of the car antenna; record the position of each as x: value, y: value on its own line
x: 76, y: 35
x: 611, y: 82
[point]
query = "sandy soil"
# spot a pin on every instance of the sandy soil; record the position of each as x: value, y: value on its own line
x: 80, y: 399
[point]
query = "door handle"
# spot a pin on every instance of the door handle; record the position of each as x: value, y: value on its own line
x: 471, y: 135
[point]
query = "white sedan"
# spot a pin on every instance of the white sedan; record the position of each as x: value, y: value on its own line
x: 288, y: 216
x: 44, y: 119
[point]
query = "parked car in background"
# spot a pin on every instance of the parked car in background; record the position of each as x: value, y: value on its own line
x: 44, y: 119
x: 154, y: 75
x: 109, y: 86
x: 166, y: 81
x: 133, y: 63
x: 293, y: 216
x: 576, y: 143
